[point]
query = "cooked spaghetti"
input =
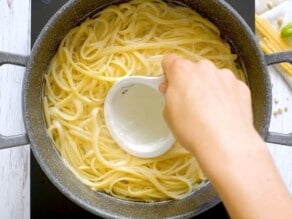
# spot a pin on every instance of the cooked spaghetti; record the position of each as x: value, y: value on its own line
x: 121, y: 41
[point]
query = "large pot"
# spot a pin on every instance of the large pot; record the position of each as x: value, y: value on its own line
x: 232, y: 27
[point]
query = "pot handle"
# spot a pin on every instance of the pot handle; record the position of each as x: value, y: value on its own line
x: 273, y: 137
x: 9, y: 58
x: 279, y: 57
x: 277, y: 138
x: 14, y: 140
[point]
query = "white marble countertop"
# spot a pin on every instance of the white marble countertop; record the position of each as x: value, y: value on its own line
x: 15, y: 162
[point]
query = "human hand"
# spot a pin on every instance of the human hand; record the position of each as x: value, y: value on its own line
x: 206, y: 107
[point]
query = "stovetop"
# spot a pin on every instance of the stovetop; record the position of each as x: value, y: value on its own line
x: 46, y: 200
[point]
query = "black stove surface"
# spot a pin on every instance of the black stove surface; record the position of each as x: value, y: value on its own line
x: 46, y: 200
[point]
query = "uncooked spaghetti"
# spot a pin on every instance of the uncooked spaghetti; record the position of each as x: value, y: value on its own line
x: 271, y: 42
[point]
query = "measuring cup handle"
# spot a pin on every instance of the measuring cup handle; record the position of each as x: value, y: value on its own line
x: 155, y: 82
x: 15, y: 140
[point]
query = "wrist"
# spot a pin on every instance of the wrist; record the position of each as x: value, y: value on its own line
x: 229, y: 150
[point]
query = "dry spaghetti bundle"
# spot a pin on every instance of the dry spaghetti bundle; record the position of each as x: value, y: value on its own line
x: 271, y: 41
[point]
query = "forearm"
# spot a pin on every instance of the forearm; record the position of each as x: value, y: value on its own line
x: 247, y: 180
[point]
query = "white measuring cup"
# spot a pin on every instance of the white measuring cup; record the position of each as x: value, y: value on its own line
x: 133, y: 115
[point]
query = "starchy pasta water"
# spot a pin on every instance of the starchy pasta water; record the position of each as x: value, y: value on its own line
x: 120, y: 41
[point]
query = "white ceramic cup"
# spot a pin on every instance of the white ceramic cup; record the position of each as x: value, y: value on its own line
x: 133, y: 114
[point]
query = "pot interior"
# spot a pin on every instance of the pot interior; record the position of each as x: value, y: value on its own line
x: 232, y: 27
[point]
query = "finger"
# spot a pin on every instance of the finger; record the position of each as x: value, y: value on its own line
x: 205, y: 66
x: 163, y: 87
x: 177, y: 70
x: 167, y: 63
x: 227, y: 74
x: 227, y: 78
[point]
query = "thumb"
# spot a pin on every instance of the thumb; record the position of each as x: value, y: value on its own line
x: 163, y: 86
